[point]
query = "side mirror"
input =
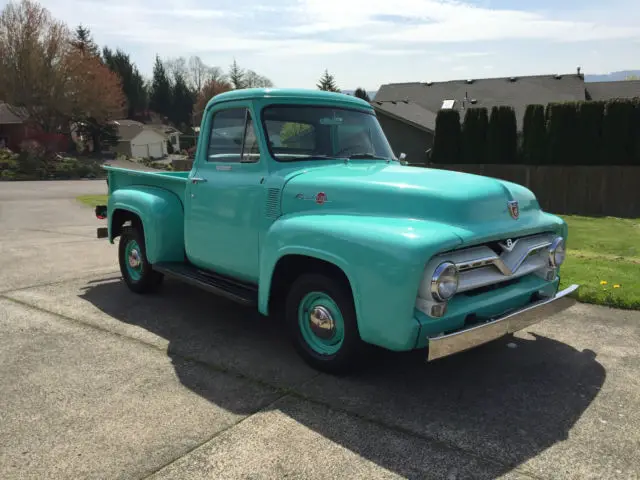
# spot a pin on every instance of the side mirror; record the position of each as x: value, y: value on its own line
x: 403, y: 159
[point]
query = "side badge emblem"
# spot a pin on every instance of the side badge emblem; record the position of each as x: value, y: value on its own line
x: 513, y: 209
x: 321, y: 198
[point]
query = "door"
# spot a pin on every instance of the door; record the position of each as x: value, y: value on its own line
x: 223, y: 210
x: 155, y: 150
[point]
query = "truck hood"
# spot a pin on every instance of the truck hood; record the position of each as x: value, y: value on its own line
x: 476, y: 207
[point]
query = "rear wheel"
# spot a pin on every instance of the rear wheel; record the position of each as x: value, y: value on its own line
x: 137, y: 272
x: 322, y: 323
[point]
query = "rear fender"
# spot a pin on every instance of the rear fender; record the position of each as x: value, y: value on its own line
x: 383, y: 259
x: 162, y: 216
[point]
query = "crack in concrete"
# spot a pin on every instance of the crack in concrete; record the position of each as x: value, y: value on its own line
x: 285, y: 392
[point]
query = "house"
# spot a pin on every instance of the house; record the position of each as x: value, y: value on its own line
x: 409, y: 127
x: 407, y: 111
x: 517, y: 92
x: 609, y: 90
x: 139, y: 140
x: 13, y: 128
x: 172, y: 134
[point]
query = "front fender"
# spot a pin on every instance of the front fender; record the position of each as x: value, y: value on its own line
x: 383, y: 258
x: 162, y: 217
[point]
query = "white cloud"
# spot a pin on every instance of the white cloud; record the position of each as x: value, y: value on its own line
x: 417, y: 38
x: 447, y: 21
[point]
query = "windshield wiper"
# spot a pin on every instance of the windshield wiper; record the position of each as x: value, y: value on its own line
x: 367, y: 156
x: 310, y: 157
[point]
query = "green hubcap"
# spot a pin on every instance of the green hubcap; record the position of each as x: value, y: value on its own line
x: 133, y: 259
x: 321, y: 323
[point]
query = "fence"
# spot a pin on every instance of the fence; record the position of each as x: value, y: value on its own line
x: 579, y: 190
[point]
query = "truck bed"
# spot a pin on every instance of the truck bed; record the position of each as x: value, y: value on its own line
x: 118, y: 177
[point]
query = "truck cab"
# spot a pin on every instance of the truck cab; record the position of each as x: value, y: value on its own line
x: 297, y: 205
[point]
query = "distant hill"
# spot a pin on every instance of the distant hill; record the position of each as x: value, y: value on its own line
x: 611, y: 77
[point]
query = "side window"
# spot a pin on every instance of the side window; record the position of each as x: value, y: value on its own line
x: 227, y: 132
x: 250, y: 150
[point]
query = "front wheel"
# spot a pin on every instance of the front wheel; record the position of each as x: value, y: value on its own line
x: 322, y: 323
x: 134, y: 266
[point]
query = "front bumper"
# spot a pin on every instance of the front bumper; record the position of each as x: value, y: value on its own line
x: 472, y: 337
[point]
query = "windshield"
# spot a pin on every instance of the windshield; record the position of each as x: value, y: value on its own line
x: 308, y: 132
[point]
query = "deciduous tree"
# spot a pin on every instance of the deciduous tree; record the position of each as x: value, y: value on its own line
x: 46, y: 74
x: 209, y: 90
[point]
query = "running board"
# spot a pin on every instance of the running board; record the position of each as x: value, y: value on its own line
x: 239, y: 292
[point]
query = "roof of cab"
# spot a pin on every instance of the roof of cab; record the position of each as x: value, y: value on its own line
x: 297, y: 93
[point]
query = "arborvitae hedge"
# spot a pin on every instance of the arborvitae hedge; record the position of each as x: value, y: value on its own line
x: 562, y: 148
x: 589, y: 141
x: 474, y: 136
x: 447, y: 142
x: 635, y: 131
x: 571, y: 133
x: 502, y: 143
x: 534, y: 136
x: 617, y: 133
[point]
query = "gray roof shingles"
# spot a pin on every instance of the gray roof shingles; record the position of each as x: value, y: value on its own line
x: 408, y: 112
x: 517, y: 92
x: 610, y: 90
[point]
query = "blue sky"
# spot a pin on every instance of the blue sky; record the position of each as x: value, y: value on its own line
x: 368, y: 43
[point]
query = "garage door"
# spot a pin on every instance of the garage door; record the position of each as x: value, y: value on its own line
x: 155, y: 150
x: 139, y: 151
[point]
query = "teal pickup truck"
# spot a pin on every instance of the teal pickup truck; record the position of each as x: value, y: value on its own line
x: 297, y: 205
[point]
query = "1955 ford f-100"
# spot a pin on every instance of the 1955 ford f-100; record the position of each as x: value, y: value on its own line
x: 297, y: 204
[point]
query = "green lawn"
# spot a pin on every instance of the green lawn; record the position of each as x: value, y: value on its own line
x: 599, y: 250
x: 604, y: 250
x: 92, y: 200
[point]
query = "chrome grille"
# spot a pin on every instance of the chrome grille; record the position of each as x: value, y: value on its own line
x: 482, y: 265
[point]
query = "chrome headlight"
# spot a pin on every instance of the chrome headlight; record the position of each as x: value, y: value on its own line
x: 557, y: 252
x: 444, y: 282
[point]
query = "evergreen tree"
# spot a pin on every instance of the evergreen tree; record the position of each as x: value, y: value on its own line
x: 160, y: 96
x: 182, y: 99
x: 446, y: 144
x: 236, y: 76
x: 534, y: 136
x: 474, y: 136
x: 83, y: 41
x: 328, y: 83
x: 133, y: 84
x: 362, y: 93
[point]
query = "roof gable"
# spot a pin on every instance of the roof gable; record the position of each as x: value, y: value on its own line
x: 130, y: 129
x: 407, y: 112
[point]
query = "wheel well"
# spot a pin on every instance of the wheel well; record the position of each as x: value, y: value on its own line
x: 121, y: 218
x: 291, y: 267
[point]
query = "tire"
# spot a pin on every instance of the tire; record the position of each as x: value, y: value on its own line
x: 140, y: 278
x: 338, y: 351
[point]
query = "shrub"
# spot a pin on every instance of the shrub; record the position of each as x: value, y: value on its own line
x: 474, y: 136
x: 617, y: 133
x: 534, y: 136
x: 589, y: 133
x: 562, y: 130
x: 502, y: 137
x: 635, y: 132
x: 446, y: 144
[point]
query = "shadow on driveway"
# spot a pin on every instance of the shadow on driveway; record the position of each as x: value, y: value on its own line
x: 503, y: 404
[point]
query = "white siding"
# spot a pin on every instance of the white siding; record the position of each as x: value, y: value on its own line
x: 148, y: 144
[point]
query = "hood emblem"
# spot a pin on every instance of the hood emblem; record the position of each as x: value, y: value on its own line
x: 320, y: 198
x: 514, y: 210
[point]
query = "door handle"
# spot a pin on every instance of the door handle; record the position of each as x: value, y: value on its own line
x: 198, y: 180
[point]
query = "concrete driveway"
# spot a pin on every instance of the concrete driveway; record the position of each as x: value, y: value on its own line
x: 96, y: 382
